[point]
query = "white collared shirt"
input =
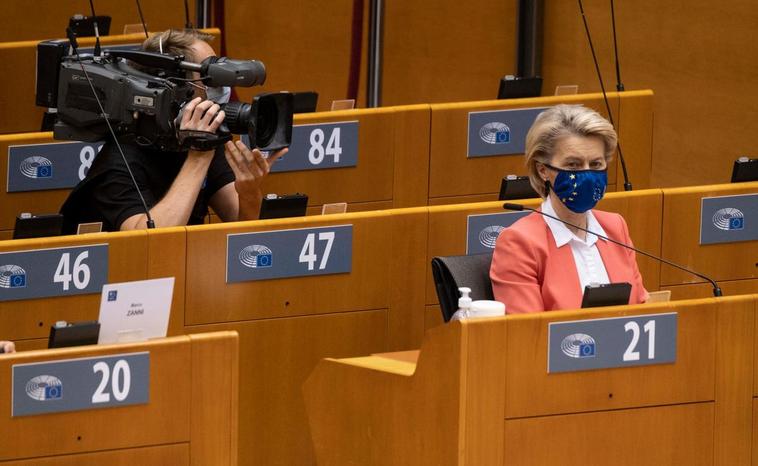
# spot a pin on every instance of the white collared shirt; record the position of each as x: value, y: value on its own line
x: 589, y: 264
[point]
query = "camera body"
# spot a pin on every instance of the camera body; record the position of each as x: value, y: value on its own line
x: 142, y: 96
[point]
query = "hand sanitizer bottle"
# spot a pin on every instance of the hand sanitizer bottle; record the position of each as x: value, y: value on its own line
x: 464, y: 304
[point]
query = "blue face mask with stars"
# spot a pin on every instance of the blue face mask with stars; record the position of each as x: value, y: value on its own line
x: 580, y: 190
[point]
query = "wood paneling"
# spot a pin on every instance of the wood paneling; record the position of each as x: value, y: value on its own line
x: 276, y: 357
x: 37, y: 202
x: 531, y: 391
x: 446, y: 51
x: 166, y: 419
x: 366, y: 287
x: 305, y: 45
x: 32, y: 318
x: 673, y: 48
x: 705, y: 290
x: 681, y: 238
x: 177, y: 454
x: 665, y: 436
x: 19, y: 23
x: 451, y: 173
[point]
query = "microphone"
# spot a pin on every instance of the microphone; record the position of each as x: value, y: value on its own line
x: 619, y: 84
x: 518, y: 207
x: 627, y: 184
x: 75, y: 47
x: 142, y: 19
x: 97, y: 32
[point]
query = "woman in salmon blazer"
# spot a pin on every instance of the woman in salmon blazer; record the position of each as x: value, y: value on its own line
x: 541, y: 264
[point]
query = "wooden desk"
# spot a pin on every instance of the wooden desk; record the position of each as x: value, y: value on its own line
x: 190, y: 419
x: 129, y: 259
x: 479, y: 394
x: 734, y: 265
x: 454, y: 178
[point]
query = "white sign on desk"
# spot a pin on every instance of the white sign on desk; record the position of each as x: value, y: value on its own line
x: 135, y: 311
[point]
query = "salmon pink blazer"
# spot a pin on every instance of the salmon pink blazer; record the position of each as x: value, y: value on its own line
x: 530, y: 273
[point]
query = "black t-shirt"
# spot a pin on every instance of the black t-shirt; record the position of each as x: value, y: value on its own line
x: 108, y: 195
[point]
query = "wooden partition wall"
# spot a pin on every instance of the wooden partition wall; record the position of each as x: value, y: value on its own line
x: 385, y: 303
x: 21, y: 23
x: 190, y: 418
x: 478, y: 393
x: 454, y: 178
x: 136, y: 255
x: 407, y: 156
x: 19, y: 114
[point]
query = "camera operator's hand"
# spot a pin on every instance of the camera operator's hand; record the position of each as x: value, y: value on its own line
x: 250, y: 168
x: 201, y: 115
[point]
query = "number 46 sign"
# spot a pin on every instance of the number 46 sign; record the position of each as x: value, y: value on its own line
x: 42, y: 273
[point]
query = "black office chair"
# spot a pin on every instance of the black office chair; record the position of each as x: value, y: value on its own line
x: 452, y: 272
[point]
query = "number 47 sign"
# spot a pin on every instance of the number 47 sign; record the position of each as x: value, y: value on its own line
x: 289, y: 253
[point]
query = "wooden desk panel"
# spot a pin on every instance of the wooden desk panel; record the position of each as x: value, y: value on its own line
x: 705, y: 290
x: 370, y: 180
x: 168, y: 410
x: 19, y: 113
x: 32, y: 318
x: 634, y: 124
x: 382, y: 409
x: 534, y: 392
x: 681, y: 238
x: 640, y: 209
x: 177, y: 454
x: 670, y: 436
x: 199, y: 418
x: 210, y: 299
x: 277, y: 356
x: 37, y: 202
x: 452, y: 174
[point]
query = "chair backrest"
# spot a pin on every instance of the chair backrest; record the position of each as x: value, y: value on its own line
x: 452, y: 272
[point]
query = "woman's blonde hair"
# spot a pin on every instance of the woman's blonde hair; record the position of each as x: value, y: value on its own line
x: 556, y: 123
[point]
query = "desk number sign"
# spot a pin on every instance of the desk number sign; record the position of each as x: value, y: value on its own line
x: 81, y: 384
x: 42, y: 273
x: 289, y: 253
x: 614, y: 342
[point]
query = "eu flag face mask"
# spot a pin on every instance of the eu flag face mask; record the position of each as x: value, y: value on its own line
x: 220, y: 95
x: 580, y: 190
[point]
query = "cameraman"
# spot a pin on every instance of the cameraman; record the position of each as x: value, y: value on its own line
x: 178, y: 187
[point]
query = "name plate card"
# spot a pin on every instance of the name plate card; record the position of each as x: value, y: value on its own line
x: 582, y: 345
x: 729, y: 219
x: 319, y: 146
x: 81, y: 384
x: 289, y: 253
x: 482, y: 230
x: 42, y: 273
x: 57, y: 165
x: 499, y: 132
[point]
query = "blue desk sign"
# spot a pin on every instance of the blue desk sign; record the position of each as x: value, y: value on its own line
x: 728, y: 219
x: 482, y: 230
x: 81, y: 384
x: 41, y: 273
x: 57, y: 165
x: 499, y: 132
x: 289, y: 253
x: 319, y: 146
x: 582, y: 345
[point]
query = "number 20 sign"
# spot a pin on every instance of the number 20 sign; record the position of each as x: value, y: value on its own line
x: 42, y: 273
x: 289, y: 253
